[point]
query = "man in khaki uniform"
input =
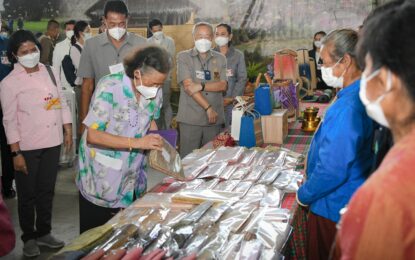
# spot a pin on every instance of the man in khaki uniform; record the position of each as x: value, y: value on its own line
x: 201, y: 73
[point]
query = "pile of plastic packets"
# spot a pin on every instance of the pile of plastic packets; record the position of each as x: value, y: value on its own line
x: 229, y: 208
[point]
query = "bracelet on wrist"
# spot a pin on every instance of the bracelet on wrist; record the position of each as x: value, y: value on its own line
x: 206, y: 109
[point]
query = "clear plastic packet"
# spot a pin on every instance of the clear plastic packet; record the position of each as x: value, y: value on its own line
x: 191, y: 171
x: 227, y: 185
x: 131, y: 215
x: 291, y: 154
x: 227, y: 154
x: 199, y: 239
x: 270, y: 254
x: 175, y: 187
x: 232, y: 247
x: 228, y: 171
x: 250, y: 250
x: 200, y: 196
x: 191, y: 185
x: 89, y: 240
x: 240, y: 173
x: 198, y: 156
x: 156, y: 217
x: 208, y: 185
x: 272, y: 157
x: 194, y: 215
x: 247, y: 157
x: 185, y: 229
x: 234, y: 219
x: 149, y: 229
x: 161, y: 233
x: 158, y: 200
x: 273, y: 228
x: 269, y: 176
x: 214, y: 214
x: 213, y: 170
x: 167, y: 161
x: 255, y: 173
x: 119, y: 239
x: 257, y: 158
x: 243, y: 187
x: 272, y: 198
x: 215, y: 243
x: 288, y: 181
x: 255, y: 194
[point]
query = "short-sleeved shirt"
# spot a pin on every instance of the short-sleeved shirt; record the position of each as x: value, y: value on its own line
x: 48, y: 46
x: 191, y: 66
x: 99, y: 54
x: 167, y: 43
x: 109, y: 177
x: 236, y: 72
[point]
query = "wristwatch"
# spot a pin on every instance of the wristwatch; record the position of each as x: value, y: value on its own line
x: 16, y: 153
x: 203, y: 85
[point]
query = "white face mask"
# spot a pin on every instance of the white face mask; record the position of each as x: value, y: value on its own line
x: 146, y: 92
x: 29, y: 60
x: 317, y: 44
x: 203, y: 45
x: 117, y: 32
x: 87, y: 36
x: 158, y: 35
x: 330, y: 79
x: 374, y: 108
x: 69, y: 34
x: 221, y: 41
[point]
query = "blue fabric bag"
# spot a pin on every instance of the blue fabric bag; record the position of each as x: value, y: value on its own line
x: 263, y: 103
x: 251, y: 130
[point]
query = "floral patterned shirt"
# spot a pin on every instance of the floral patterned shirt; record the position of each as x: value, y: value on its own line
x: 109, y: 177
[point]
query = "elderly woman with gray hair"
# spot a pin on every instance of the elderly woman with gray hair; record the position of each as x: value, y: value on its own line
x: 340, y: 155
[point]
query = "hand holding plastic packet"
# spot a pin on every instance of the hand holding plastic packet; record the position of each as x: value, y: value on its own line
x: 167, y: 161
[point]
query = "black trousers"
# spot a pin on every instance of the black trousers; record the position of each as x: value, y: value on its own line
x: 7, y: 167
x: 91, y: 215
x: 35, y: 191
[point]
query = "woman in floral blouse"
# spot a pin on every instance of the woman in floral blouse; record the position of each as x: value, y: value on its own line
x: 112, y: 150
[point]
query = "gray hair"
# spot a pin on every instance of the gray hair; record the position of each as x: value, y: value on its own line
x: 344, y: 42
x: 202, y: 24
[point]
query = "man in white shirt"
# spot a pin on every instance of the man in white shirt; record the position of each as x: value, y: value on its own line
x: 62, y: 49
x: 158, y: 38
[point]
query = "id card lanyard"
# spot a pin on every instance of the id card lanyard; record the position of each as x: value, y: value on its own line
x: 208, y: 76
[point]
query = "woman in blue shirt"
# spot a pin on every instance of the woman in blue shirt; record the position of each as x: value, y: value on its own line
x: 340, y: 155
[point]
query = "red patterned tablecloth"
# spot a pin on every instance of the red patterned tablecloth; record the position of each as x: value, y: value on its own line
x: 297, y: 141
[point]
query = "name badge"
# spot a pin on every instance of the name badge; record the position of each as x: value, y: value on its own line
x: 117, y: 68
x: 229, y: 73
x: 200, y: 74
x: 207, y: 75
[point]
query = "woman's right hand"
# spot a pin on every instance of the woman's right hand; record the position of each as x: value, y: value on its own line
x: 149, y: 142
x: 20, y: 164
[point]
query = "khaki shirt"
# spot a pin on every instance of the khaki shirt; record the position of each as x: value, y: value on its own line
x: 99, y: 54
x: 189, y: 66
x: 46, y: 53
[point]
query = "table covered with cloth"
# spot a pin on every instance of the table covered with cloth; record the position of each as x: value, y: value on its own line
x: 299, y: 142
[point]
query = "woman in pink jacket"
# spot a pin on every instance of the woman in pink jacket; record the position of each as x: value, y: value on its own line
x: 35, y: 112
